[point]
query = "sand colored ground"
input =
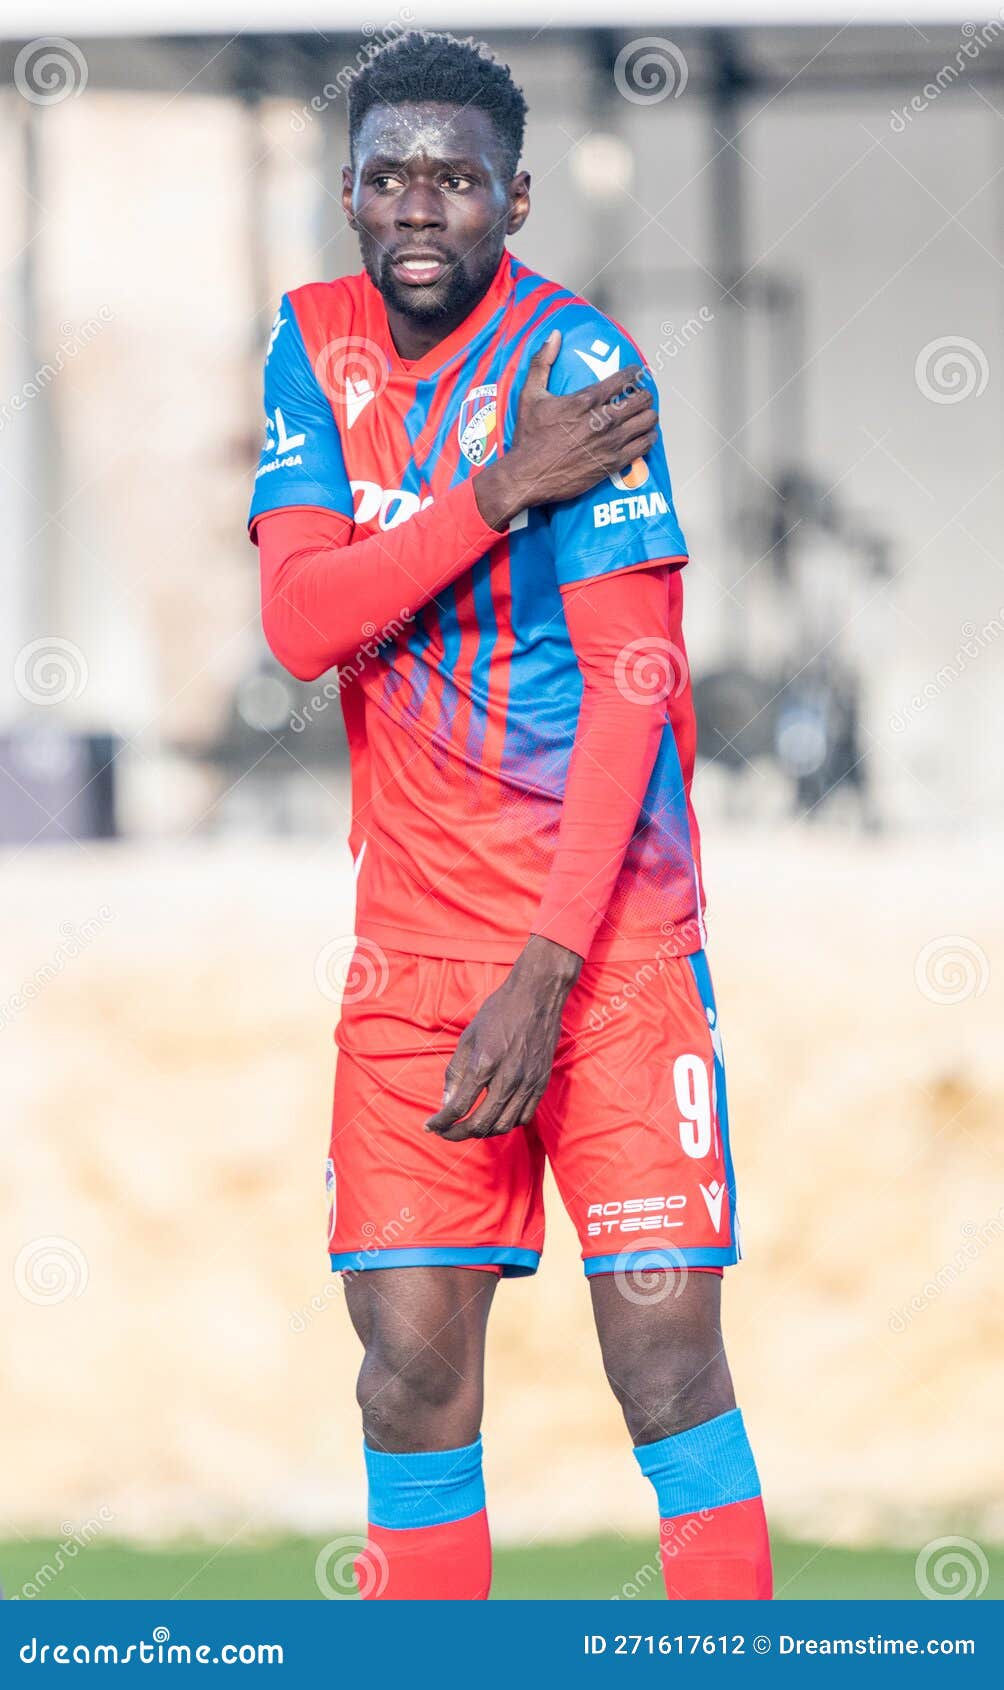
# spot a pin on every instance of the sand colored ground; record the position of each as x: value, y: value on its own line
x: 175, y: 1358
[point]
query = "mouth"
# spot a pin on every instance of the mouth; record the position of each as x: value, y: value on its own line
x: 418, y: 269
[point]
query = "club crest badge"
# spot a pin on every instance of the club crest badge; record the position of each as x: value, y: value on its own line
x: 477, y: 423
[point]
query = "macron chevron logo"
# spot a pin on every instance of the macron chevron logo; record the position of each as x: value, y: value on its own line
x: 714, y: 1196
x: 716, y: 1035
x: 601, y: 359
x: 277, y: 322
x: 357, y: 396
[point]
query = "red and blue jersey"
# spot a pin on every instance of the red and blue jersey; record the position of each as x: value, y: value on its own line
x: 462, y: 716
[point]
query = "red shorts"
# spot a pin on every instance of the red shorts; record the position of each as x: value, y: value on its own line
x: 634, y: 1123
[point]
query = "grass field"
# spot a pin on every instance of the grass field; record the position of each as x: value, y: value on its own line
x: 599, y: 1567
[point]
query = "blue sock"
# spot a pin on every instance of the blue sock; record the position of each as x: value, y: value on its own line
x: 708, y: 1466
x: 431, y: 1488
x: 713, y: 1539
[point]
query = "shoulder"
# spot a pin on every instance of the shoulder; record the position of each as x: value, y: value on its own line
x: 322, y: 311
x: 593, y: 345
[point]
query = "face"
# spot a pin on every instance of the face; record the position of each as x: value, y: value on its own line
x: 432, y: 204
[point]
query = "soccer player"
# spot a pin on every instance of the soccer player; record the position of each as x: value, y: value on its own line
x: 463, y: 507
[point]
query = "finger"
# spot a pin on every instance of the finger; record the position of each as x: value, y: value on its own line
x: 458, y: 1107
x: 609, y: 429
x: 542, y: 363
x: 470, y: 1128
x: 510, y: 1118
x: 484, y: 1122
x: 461, y: 1092
x: 613, y: 433
x: 616, y: 452
x: 625, y: 448
x: 611, y: 416
x: 621, y: 382
x: 530, y: 1105
x: 637, y: 402
x: 619, y: 408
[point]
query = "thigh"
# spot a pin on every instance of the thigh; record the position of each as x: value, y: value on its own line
x: 421, y: 1386
x: 661, y: 1340
x: 441, y: 1309
x: 398, y: 1195
x: 635, y: 1121
x: 656, y: 1310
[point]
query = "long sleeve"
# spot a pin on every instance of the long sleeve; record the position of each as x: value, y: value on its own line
x: 619, y: 628
x: 321, y: 597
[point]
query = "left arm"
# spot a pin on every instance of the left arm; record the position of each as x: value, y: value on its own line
x: 619, y: 628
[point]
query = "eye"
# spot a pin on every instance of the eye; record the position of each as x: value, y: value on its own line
x: 457, y: 184
x: 383, y: 182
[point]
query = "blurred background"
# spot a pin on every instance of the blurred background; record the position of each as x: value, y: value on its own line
x: 800, y: 220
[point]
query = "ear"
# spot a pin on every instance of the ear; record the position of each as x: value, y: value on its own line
x: 519, y: 202
x: 348, y: 181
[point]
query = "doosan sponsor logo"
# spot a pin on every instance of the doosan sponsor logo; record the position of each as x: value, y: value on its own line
x: 386, y: 506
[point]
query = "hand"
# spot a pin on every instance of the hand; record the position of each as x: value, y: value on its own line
x: 508, y: 1049
x: 566, y: 442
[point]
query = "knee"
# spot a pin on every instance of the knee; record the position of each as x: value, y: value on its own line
x: 664, y: 1389
x: 415, y: 1397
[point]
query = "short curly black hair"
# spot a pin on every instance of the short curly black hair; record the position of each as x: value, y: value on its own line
x: 429, y: 66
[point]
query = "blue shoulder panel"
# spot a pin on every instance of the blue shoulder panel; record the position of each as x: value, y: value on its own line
x: 627, y: 518
x: 301, y: 459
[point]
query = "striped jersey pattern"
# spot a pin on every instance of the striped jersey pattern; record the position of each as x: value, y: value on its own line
x: 461, y: 715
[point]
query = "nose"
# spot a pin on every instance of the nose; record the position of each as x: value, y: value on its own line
x: 419, y: 207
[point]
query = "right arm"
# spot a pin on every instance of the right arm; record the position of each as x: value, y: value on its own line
x: 318, y: 590
x: 321, y: 597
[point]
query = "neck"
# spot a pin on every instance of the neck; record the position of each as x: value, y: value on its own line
x: 413, y: 339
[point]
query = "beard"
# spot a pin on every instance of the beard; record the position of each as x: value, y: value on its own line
x: 453, y: 297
